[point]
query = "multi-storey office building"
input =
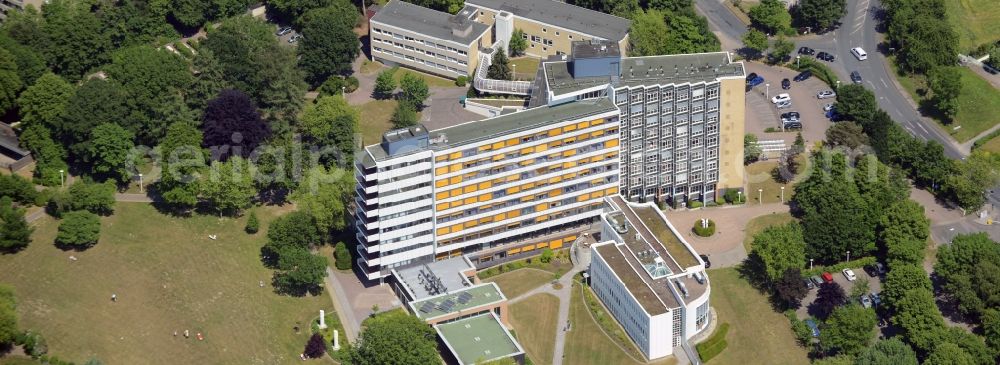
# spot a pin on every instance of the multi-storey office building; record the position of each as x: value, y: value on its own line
x: 652, y: 282
x: 682, y: 116
x: 491, y: 188
x: 427, y: 40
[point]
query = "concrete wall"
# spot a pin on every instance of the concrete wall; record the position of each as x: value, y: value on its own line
x: 561, y: 38
x: 732, y: 129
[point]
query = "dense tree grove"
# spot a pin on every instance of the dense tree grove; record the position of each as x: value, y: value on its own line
x: 329, y: 44
x: 892, y: 351
x: 921, y: 33
x: 670, y: 29
x: 819, y: 14
x: 970, y: 270
x: 395, y: 339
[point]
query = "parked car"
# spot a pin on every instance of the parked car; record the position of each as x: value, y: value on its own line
x: 751, y: 76
x: 826, y: 94
x: 876, y: 269
x: 803, y: 76
x: 755, y: 81
x: 828, y: 107
x: 816, y: 280
x: 781, y: 97
x: 876, y: 299
x: 294, y: 38
x: 283, y: 31
x: 826, y: 57
x: 849, y: 274
x: 828, y: 277
x: 784, y: 104
x: 785, y: 84
x: 855, y: 77
x: 866, y: 301
x: 809, y: 284
x: 807, y: 51
x: 832, y: 115
x: 859, y: 53
x: 792, y: 116
x: 708, y: 264
x: 812, y: 327
x: 792, y: 125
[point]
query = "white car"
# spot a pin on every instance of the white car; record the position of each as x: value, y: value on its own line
x: 859, y: 53
x: 828, y: 107
x: 784, y: 104
x: 781, y: 97
x: 826, y: 94
x: 849, y: 274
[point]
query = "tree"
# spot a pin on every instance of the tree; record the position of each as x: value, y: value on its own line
x: 93, y: 197
x: 848, y: 330
x: 17, y: 188
x: 900, y: 280
x: 790, y: 289
x: 755, y: 42
x: 50, y: 158
x: 153, y: 81
x: 855, y: 102
x: 253, y: 225
x: 946, y: 84
x: 385, y: 83
x: 751, y: 150
x: 182, y: 158
x: 294, y: 8
x: 903, y: 231
x: 689, y: 34
x: 414, y: 89
x: 672, y: 6
x: 229, y: 187
x: 8, y: 316
x: 189, y: 13
x: 30, y: 65
x: 499, y: 67
x: 782, y: 48
x: 846, y: 134
x: 829, y: 297
x: 964, y: 268
x: 779, y: 249
x: 390, y: 339
x: 111, y: 152
x: 891, y: 351
x: 129, y: 23
x: 405, y: 115
x: 96, y: 101
x: 920, y: 319
x: 299, y: 272
x: 770, y: 16
x: 519, y: 43
x: 45, y: 101
x: 295, y: 229
x: 323, y: 195
x: 329, y: 44
x: 10, y: 81
x: 924, y: 36
x: 968, y: 342
x: 332, y: 122
x: 993, y: 61
x: 232, y: 125
x: 316, y: 347
x: 949, y: 354
x: 15, y: 233
x: 73, y: 41
x: 972, y: 176
x: 343, y: 256
x: 79, y: 228
x: 820, y: 14
x: 991, y: 329
x: 648, y: 35
x: 209, y: 80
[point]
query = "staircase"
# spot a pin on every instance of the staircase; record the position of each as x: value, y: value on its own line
x: 483, y: 84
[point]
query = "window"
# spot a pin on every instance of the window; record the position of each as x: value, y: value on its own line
x: 536, y: 39
x: 557, y: 32
x: 547, y: 42
x: 668, y: 94
x: 697, y: 93
x: 570, y: 36
x: 713, y: 93
x: 545, y: 30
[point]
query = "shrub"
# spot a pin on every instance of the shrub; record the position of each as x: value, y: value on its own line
x: 704, y: 231
x: 253, y: 225
x: 342, y: 256
x: 18, y: 188
x: 332, y: 86
x: 351, y: 84
x: 820, y: 70
x: 714, y: 345
x: 694, y: 204
x: 733, y: 196
x: 546, y: 255
x: 316, y: 346
x: 94, y: 197
x: 79, y: 228
x: 461, y: 81
x: 802, y: 332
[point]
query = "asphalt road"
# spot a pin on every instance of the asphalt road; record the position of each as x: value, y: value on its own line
x: 858, y: 29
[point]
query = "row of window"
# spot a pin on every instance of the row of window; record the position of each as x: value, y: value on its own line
x: 417, y: 60
x: 419, y: 41
x: 421, y: 51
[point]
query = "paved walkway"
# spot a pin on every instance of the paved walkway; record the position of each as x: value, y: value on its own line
x: 352, y: 326
x: 726, y: 246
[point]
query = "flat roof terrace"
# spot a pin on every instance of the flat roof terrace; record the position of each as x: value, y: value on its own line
x: 678, y: 69
x: 478, y: 339
x: 457, y: 301
x: 561, y: 14
x: 430, y: 23
x: 642, y: 287
x: 646, y: 220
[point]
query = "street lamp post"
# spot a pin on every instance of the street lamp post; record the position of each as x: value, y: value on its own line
x: 848, y: 255
x: 343, y: 91
x: 838, y: 84
x: 760, y: 196
x: 797, y: 58
x: 140, y: 183
x: 739, y: 196
x: 767, y: 89
x: 810, y: 264
x: 62, y: 181
x: 515, y: 71
x: 782, y: 194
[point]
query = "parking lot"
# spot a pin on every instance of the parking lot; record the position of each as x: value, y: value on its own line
x: 874, y: 285
x: 762, y: 114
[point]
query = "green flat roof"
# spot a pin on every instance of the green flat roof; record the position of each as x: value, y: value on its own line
x: 437, y: 306
x: 478, y: 339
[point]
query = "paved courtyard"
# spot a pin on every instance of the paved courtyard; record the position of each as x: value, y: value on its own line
x: 725, y: 247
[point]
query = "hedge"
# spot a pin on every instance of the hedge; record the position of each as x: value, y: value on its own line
x: 704, y: 232
x: 714, y: 345
x: 694, y: 204
x: 819, y: 70
x: 980, y: 142
x: 859, y: 263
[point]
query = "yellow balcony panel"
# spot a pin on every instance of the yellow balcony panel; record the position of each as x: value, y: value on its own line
x: 514, y: 214
x: 569, y: 128
x: 569, y: 153
x: 511, y: 142
x: 441, y: 170
x: 556, y: 245
x: 554, y: 132
x: 514, y: 251
x: 455, y: 156
x: 468, y: 201
x: 454, y: 192
x: 468, y: 189
x: 583, y: 125
x: 526, y: 151
x: 513, y: 190
x: 485, y: 197
x: 455, y: 167
x: 597, y: 121
x: 441, y: 183
x: 510, y: 178
x: 443, y: 231
x: 470, y: 224
x: 485, y: 185
x: 499, y: 217
x: 611, y: 191
x: 497, y: 146
x: 583, y: 197
x: 541, y: 207
x: 455, y: 180
x: 485, y: 148
x: 441, y: 158
x: 443, y: 206
x: 541, y: 148
x: 442, y: 195
x: 498, y: 157
x: 569, y: 239
x: 569, y: 165
x: 527, y: 248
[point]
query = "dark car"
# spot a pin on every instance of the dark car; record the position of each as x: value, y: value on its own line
x: 832, y: 115
x: 751, y: 76
x: 813, y: 328
x: 803, y: 76
x: 708, y: 264
x: 826, y: 56
x: 793, y: 125
x: 807, y: 51
x: 809, y: 284
x: 755, y: 81
x: 792, y: 116
x: 855, y: 77
x: 785, y: 84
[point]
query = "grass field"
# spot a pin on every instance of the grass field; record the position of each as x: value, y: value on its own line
x: 528, y: 67
x: 169, y: 276
x: 975, y: 21
x: 993, y: 145
x: 765, y: 337
x: 534, y: 320
x: 760, y: 175
x: 18, y: 361
x: 587, y: 343
x: 758, y: 224
x: 520, y: 281
x: 979, y: 104
x: 375, y: 117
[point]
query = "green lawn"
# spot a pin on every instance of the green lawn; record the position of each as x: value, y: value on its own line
x: 169, y: 276
x: 760, y: 175
x: 375, y: 117
x: 757, y: 334
x: 758, y: 224
x: 587, y: 343
x: 993, y: 145
x: 520, y: 281
x: 979, y: 104
x: 534, y: 320
x: 432, y: 81
x: 975, y: 21
x: 526, y: 67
